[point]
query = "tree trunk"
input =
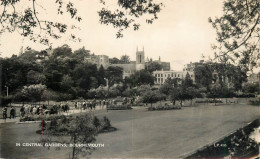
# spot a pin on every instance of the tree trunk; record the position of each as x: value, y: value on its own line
x: 74, y: 148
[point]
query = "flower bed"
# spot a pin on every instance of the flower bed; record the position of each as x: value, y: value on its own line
x: 119, y: 107
x: 38, y: 117
x: 209, y: 101
x: 164, y: 108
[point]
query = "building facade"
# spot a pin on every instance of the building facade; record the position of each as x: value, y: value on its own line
x: 162, y: 76
x: 98, y: 60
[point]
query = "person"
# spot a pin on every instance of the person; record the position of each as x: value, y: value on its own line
x: 22, y: 111
x: 84, y: 105
x: 67, y: 108
x: 12, y: 112
x: 38, y: 110
x: 94, y: 104
x: 4, y: 110
x: 34, y: 110
x: 76, y: 105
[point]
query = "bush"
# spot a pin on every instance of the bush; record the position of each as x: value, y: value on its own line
x: 106, y: 123
x: 254, y: 102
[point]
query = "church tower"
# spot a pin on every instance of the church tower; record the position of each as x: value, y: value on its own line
x: 140, y: 60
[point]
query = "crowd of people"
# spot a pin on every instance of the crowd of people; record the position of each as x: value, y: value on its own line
x: 61, y: 107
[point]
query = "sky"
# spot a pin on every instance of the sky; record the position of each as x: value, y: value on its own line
x: 180, y: 36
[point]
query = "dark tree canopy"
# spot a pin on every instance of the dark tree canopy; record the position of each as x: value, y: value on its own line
x: 125, y: 59
x: 238, y: 32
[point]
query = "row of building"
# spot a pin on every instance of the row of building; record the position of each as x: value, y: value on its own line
x: 140, y: 64
x: 160, y: 75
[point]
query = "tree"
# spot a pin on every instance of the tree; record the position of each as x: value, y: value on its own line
x: 124, y: 16
x: 215, y: 91
x: 251, y: 88
x: 101, y: 76
x: 114, y: 75
x: 114, y: 60
x: 81, y: 53
x: 150, y: 96
x: 153, y: 66
x: 167, y: 86
x: 81, y: 129
x: 142, y: 77
x: 187, y: 81
x: 238, y: 32
x: 125, y: 59
x: 32, y: 93
x: 29, y: 22
x: 62, y: 51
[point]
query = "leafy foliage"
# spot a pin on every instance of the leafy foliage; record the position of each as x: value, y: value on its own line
x: 27, y: 20
x: 128, y: 11
x: 238, y: 32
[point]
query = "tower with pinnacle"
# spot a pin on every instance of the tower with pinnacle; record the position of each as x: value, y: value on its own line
x: 140, y: 60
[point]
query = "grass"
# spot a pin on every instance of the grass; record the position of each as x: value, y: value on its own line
x: 141, y: 133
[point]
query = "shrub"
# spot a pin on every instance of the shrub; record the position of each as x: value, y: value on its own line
x: 106, y: 124
x: 254, y: 102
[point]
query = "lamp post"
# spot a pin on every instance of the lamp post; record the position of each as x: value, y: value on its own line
x: 7, y: 90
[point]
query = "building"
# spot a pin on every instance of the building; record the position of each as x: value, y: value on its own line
x: 133, y: 66
x: 162, y: 76
x: 98, y: 60
x: 128, y: 68
x: 166, y: 66
x: 253, y: 78
x: 103, y: 60
x: 140, y: 62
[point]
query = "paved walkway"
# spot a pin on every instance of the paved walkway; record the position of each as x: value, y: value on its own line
x: 72, y: 111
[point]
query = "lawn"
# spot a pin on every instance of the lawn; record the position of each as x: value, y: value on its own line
x: 142, y: 133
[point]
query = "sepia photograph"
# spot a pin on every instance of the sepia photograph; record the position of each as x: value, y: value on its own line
x: 129, y: 79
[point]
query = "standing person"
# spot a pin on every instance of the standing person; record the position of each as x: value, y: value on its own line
x: 76, y: 105
x: 38, y: 110
x: 34, y: 110
x: 22, y: 111
x: 94, y: 104
x: 84, y: 105
x: 12, y: 111
x: 4, y: 110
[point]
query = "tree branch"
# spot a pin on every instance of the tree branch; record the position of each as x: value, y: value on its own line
x: 244, y: 41
x: 35, y: 14
x: 3, y: 15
